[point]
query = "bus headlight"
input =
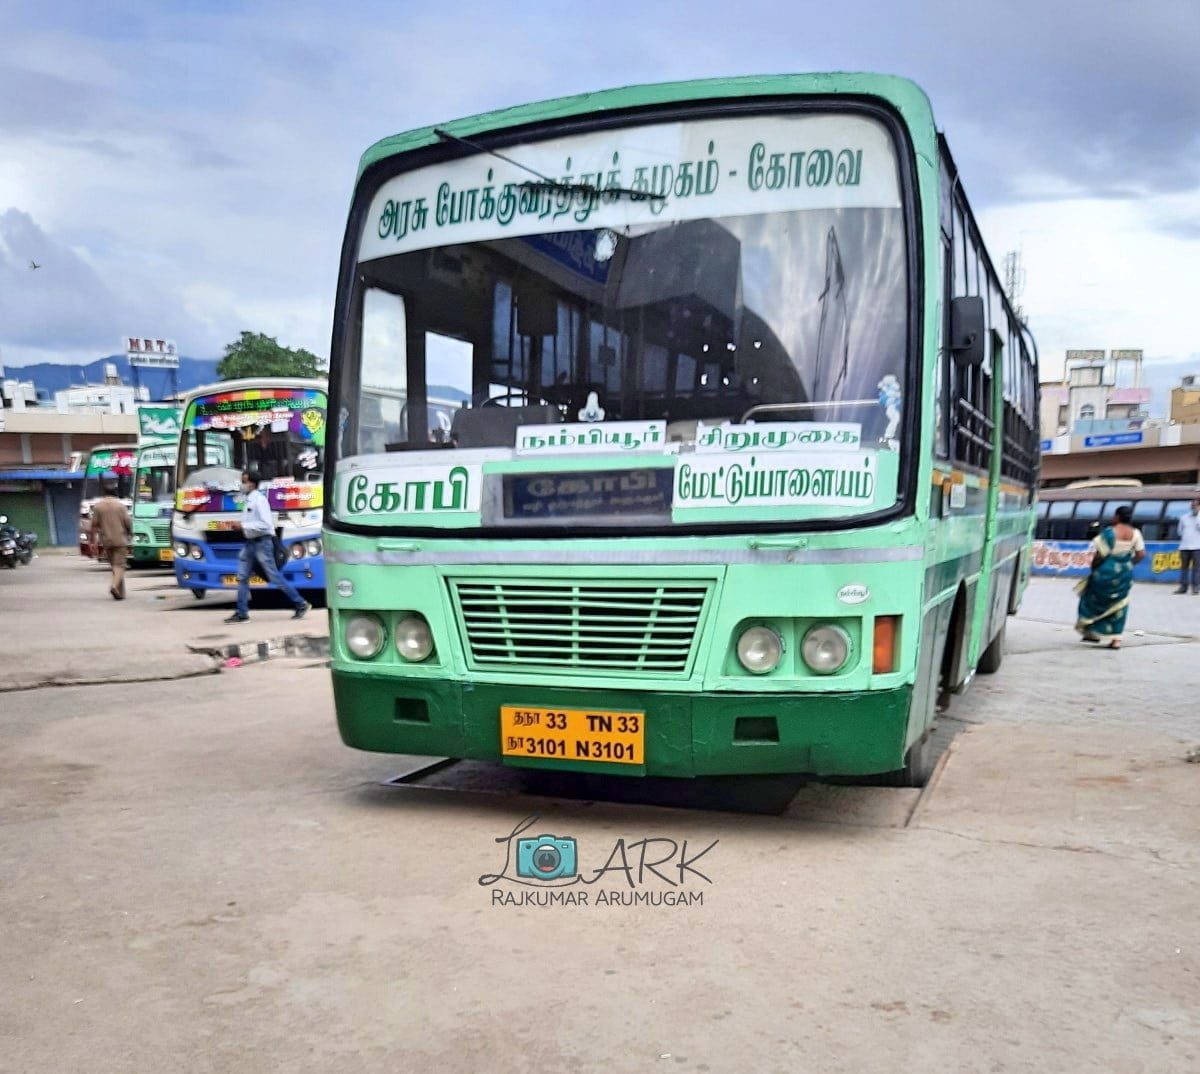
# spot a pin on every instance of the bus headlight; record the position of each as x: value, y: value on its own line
x: 364, y: 636
x: 760, y: 649
x: 197, y: 552
x: 313, y: 548
x: 414, y: 641
x: 140, y: 538
x: 181, y: 549
x: 297, y: 550
x: 825, y: 649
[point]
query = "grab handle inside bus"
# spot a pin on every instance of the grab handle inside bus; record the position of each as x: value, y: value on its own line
x: 967, y: 330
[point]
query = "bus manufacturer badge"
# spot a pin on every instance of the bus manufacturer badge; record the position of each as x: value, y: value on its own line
x: 345, y: 588
x: 853, y: 594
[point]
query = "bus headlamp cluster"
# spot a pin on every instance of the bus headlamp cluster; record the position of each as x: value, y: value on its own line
x: 183, y: 550
x: 759, y: 650
x: 300, y: 549
x: 365, y: 637
x: 825, y: 649
x: 414, y: 641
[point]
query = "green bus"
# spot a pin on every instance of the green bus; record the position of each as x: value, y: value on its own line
x: 153, y: 503
x: 740, y: 476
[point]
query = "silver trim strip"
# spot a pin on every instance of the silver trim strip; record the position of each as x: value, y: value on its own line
x: 651, y: 557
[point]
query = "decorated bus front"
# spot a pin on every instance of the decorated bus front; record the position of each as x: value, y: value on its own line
x: 276, y: 427
x: 108, y: 463
x: 665, y: 531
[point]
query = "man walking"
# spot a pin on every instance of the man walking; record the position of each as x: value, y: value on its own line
x: 1189, y: 548
x: 258, y: 552
x: 111, y: 528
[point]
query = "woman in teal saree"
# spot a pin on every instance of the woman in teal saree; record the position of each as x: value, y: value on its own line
x: 1104, y: 601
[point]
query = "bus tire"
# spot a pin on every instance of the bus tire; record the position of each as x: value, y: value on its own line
x: 919, y: 762
x: 993, y: 655
x: 199, y: 593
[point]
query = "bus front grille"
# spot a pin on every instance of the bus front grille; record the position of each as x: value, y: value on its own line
x: 161, y: 531
x: 577, y: 626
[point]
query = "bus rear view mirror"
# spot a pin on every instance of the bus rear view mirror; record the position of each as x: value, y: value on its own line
x: 967, y: 330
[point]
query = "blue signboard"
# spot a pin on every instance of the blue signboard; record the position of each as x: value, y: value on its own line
x: 579, y: 494
x: 1112, y: 440
x: 1073, y: 559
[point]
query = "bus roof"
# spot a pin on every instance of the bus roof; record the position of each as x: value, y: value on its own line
x: 1099, y: 491
x: 906, y: 96
x: 246, y: 383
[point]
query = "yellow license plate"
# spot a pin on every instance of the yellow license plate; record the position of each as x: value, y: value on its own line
x: 573, y: 735
x: 231, y: 579
x: 166, y: 554
x: 223, y: 526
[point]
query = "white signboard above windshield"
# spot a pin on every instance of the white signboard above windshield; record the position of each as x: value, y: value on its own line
x: 638, y: 177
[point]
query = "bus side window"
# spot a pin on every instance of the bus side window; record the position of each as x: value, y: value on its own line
x: 1146, y: 517
x: 1175, y: 510
x: 1042, y: 530
x: 1058, y: 519
x: 1089, y: 517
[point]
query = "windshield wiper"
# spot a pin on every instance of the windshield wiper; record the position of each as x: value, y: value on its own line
x: 547, y: 185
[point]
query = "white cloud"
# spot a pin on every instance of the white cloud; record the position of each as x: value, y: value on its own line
x: 190, y: 166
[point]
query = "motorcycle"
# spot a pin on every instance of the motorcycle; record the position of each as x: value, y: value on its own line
x: 9, y: 557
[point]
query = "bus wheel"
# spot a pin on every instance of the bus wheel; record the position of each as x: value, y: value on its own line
x: 199, y: 593
x: 918, y: 765
x: 993, y: 655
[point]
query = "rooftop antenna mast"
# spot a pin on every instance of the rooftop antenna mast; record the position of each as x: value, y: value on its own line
x: 1014, y: 282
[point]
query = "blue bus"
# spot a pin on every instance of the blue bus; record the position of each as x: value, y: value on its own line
x: 275, y: 425
x: 1067, y: 519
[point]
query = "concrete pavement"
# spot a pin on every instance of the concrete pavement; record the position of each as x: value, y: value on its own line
x: 196, y: 875
x: 66, y: 629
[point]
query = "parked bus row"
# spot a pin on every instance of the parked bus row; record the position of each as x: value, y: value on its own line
x: 185, y: 512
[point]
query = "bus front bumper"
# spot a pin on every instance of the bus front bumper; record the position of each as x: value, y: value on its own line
x: 687, y: 735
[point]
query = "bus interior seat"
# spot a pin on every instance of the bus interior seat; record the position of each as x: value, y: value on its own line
x: 496, y: 426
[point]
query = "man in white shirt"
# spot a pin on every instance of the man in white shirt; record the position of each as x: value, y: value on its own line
x: 1189, y: 548
x: 258, y: 529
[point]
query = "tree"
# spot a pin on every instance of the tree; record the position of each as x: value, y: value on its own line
x: 254, y: 355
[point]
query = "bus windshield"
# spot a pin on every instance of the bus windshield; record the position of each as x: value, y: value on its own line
x: 583, y: 351
x: 155, y: 475
x: 114, y: 465
x: 280, y: 432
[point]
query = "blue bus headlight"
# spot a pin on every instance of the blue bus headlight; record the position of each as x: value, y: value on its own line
x: 760, y: 649
x: 364, y: 636
x: 414, y: 641
x: 825, y: 649
x: 197, y: 552
x: 181, y: 549
x: 297, y: 550
x: 313, y: 548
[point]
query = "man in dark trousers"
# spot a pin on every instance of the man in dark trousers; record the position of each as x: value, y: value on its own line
x: 112, y: 528
x: 258, y: 553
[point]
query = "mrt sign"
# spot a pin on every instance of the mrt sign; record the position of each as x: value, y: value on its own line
x: 147, y: 351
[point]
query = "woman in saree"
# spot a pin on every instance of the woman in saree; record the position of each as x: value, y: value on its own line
x: 1104, y: 600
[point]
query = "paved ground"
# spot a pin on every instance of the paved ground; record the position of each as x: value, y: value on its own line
x: 72, y: 631
x: 196, y: 876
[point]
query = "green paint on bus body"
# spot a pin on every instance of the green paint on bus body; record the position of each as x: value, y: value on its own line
x: 921, y: 567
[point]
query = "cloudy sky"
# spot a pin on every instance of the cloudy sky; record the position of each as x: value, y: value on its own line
x: 184, y: 168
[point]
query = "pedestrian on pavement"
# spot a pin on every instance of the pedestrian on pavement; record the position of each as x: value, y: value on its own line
x: 1104, y: 601
x: 1189, y: 548
x: 258, y: 551
x: 112, y: 529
